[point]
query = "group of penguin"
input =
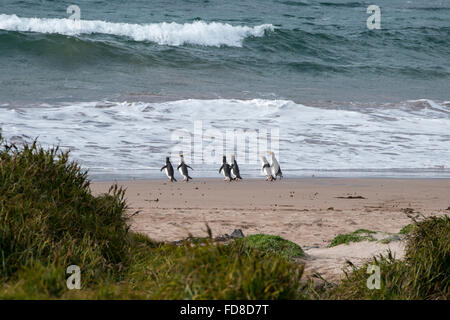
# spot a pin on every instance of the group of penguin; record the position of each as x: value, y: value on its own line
x: 230, y: 172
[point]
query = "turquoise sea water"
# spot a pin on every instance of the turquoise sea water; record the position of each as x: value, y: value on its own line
x: 319, y: 50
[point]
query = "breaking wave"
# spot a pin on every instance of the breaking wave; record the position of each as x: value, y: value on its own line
x: 174, y: 34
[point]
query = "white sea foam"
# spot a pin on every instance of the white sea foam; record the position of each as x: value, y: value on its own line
x: 115, y: 137
x: 175, y: 34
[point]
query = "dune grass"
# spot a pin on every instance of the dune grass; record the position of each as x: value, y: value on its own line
x: 424, y: 273
x: 407, y: 229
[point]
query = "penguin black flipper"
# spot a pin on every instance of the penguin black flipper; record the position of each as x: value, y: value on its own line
x: 189, y: 168
x: 163, y: 167
x: 221, y: 168
x: 236, y: 170
x: 178, y: 168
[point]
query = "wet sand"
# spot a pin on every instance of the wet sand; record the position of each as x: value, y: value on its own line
x: 309, y: 212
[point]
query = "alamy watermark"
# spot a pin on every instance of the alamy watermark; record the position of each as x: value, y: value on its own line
x: 374, y: 20
x: 74, y: 11
x: 74, y: 280
x: 374, y: 281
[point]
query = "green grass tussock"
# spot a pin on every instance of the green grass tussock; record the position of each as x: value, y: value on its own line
x: 407, y: 229
x: 356, y: 236
x: 269, y: 243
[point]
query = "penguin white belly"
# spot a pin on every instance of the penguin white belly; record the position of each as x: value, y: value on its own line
x: 167, y: 172
x: 275, y: 169
x: 181, y: 171
x: 266, y: 171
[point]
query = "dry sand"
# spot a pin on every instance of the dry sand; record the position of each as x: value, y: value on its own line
x: 309, y: 212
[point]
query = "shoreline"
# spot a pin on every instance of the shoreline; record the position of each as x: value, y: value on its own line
x: 309, y: 211
x: 213, y: 175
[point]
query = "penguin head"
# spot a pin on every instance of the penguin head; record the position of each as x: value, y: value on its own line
x: 224, y: 159
x: 167, y: 159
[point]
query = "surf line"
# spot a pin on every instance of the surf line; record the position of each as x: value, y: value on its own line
x: 197, y: 310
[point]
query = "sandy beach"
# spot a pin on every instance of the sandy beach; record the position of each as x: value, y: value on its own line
x: 309, y: 212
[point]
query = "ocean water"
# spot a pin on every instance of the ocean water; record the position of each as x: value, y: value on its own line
x: 121, y: 86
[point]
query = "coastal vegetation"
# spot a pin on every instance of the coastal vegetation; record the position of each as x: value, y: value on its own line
x: 424, y: 273
x: 274, y: 244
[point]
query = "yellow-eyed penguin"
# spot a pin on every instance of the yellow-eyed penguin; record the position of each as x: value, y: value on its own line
x: 235, y: 169
x: 183, y: 168
x: 276, y: 170
x: 266, y: 169
x: 225, y: 169
x: 169, y: 170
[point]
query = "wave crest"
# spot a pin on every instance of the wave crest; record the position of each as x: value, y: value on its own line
x: 174, y: 34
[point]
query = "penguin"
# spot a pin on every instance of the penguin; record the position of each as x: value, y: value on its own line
x: 169, y: 170
x: 276, y: 170
x: 266, y: 169
x: 235, y: 169
x: 226, y: 169
x: 183, y: 168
